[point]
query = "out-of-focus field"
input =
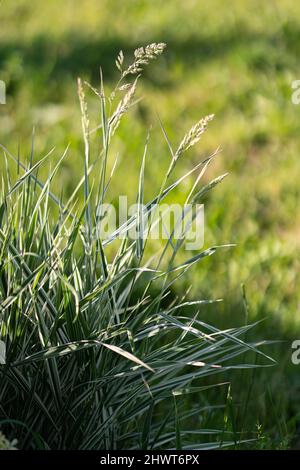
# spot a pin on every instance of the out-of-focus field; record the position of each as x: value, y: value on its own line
x: 235, y: 59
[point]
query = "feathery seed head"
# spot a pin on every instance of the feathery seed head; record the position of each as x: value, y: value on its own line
x: 194, y: 135
x: 83, y: 105
x: 123, y: 107
x: 143, y: 55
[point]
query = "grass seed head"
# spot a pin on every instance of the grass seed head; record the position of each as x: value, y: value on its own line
x: 143, y: 55
x: 194, y: 135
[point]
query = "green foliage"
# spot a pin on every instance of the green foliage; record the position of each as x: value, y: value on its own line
x: 238, y: 62
x: 5, y: 444
x: 95, y: 345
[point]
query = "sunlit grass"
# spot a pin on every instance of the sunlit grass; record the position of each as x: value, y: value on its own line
x: 98, y: 353
x: 239, y: 64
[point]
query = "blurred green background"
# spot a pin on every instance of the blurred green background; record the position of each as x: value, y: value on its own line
x: 235, y: 59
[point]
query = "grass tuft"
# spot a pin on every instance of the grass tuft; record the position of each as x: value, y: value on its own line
x: 97, y: 354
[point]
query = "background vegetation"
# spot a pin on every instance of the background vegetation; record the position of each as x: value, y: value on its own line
x: 237, y: 61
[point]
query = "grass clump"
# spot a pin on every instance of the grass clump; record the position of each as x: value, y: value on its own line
x: 94, y: 345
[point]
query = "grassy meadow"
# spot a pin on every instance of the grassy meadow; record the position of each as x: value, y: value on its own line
x: 236, y: 61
